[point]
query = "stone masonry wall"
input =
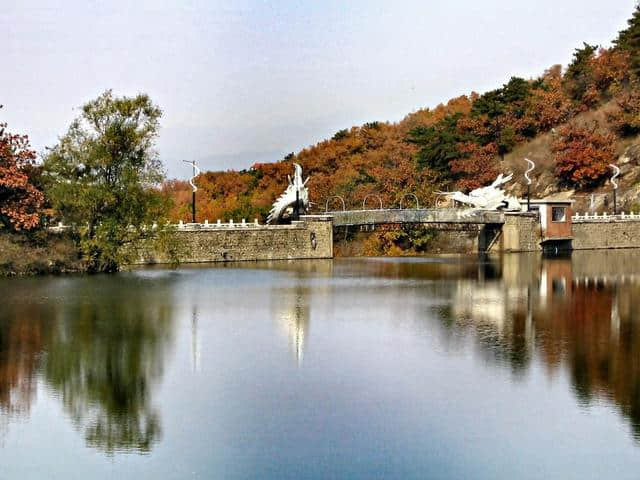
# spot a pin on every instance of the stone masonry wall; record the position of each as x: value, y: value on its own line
x: 520, y: 233
x: 311, y: 237
x: 610, y: 234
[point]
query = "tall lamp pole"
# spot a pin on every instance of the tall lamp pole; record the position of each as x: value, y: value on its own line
x: 616, y: 173
x: 526, y: 176
x: 194, y: 189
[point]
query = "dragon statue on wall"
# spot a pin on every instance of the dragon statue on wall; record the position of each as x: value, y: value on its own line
x: 491, y: 197
x: 283, y: 207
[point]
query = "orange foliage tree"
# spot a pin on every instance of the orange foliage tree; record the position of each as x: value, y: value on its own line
x: 20, y: 200
x: 549, y: 105
x: 625, y: 119
x: 477, y: 166
x: 610, y: 70
x: 582, y: 156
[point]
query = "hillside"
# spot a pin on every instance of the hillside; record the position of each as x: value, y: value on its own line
x: 626, y: 155
x: 572, y: 122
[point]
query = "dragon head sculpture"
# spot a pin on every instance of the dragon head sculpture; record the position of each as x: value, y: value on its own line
x: 283, y: 207
x: 491, y: 197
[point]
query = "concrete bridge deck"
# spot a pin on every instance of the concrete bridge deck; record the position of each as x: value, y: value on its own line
x: 431, y: 215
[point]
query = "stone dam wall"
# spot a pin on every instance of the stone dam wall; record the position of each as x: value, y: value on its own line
x: 612, y: 233
x: 520, y: 233
x: 311, y: 237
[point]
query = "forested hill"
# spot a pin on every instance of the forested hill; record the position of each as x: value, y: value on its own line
x: 573, y: 122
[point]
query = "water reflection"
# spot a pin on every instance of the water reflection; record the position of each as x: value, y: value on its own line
x: 565, y: 315
x: 101, y: 350
x: 195, y: 340
x: 291, y: 311
x: 573, y: 314
x: 100, y: 345
x: 21, y: 347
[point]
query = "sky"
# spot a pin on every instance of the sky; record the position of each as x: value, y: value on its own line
x: 241, y: 82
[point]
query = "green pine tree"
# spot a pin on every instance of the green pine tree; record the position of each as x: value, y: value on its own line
x: 579, y: 72
x: 629, y: 40
x: 438, y: 144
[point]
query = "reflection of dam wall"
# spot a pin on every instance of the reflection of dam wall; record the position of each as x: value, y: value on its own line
x: 312, y: 237
x: 607, y: 263
x: 481, y: 302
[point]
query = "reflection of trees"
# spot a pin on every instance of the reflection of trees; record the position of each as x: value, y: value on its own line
x: 596, y: 333
x: 100, y: 343
x: 21, y: 337
x: 104, y: 357
x: 23, y: 331
x: 592, y: 329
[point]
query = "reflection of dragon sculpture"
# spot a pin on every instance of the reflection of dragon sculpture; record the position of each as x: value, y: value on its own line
x: 488, y: 198
x: 285, y: 203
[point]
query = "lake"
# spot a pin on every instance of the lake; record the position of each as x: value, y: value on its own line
x: 444, y: 367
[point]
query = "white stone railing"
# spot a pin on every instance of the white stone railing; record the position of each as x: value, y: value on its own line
x: 605, y: 217
x: 206, y: 226
x: 219, y: 225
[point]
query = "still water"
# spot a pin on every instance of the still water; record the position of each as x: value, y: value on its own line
x: 519, y: 367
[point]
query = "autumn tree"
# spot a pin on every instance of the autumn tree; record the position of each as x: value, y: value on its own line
x: 476, y: 166
x: 610, y: 70
x: 103, y: 175
x: 20, y: 200
x: 582, y: 156
x: 548, y: 105
x: 625, y: 120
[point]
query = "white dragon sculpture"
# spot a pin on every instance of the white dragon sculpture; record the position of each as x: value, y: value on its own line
x: 491, y: 197
x: 285, y: 203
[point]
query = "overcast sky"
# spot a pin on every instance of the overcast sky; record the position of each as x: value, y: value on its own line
x: 246, y: 81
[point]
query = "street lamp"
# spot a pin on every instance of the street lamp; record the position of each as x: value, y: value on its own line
x: 196, y: 171
x: 616, y: 172
x: 526, y: 176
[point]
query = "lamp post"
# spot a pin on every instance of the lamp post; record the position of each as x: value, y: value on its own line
x: 526, y: 176
x: 616, y: 173
x: 194, y: 189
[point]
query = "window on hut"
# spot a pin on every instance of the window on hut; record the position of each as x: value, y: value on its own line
x: 558, y: 214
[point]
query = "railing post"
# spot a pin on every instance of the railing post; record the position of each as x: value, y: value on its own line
x: 414, y: 196
x: 364, y: 201
x: 326, y: 205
